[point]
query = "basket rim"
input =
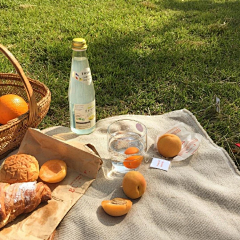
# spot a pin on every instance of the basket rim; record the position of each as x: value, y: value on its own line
x: 14, y: 75
x: 17, y: 77
x: 14, y: 122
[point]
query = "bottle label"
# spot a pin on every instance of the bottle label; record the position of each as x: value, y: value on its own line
x: 85, y: 115
x: 84, y: 76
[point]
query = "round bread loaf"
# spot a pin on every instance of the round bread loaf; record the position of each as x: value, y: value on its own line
x: 19, y: 168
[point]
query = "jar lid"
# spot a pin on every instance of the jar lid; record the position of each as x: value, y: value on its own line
x: 79, y: 43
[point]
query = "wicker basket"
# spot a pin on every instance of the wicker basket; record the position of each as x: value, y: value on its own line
x: 34, y: 92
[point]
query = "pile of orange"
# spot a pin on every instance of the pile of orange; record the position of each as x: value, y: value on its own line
x: 11, y: 106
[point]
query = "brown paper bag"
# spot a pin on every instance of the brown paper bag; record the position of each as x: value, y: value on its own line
x: 83, y: 163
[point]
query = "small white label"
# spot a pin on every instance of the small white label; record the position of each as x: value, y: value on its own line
x: 160, y: 164
x: 218, y: 104
x: 85, y: 115
x: 84, y: 76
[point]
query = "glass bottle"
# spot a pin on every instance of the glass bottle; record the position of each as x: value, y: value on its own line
x: 81, y: 93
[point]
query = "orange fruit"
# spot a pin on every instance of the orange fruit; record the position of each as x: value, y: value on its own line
x: 169, y: 145
x: 133, y: 161
x: 11, y: 106
x: 131, y: 150
x: 53, y: 171
x: 117, y: 206
x: 134, y: 184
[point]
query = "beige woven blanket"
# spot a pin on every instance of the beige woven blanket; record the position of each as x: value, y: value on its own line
x: 197, y: 198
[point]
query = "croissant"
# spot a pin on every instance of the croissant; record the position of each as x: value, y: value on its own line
x: 19, y: 198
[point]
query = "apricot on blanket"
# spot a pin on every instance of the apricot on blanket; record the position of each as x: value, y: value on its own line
x: 169, y: 145
x: 134, y: 184
x: 53, y: 171
x: 117, y: 206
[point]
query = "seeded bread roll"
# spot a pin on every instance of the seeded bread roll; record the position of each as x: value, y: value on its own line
x: 19, y: 168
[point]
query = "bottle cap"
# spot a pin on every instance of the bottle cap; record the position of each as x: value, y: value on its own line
x: 79, y: 43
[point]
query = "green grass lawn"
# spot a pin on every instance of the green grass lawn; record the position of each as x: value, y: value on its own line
x: 146, y: 57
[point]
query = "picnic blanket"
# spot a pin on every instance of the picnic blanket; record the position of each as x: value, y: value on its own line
x: 197, y: 198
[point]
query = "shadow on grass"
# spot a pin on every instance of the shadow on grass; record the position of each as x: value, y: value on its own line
x: 184, y: 58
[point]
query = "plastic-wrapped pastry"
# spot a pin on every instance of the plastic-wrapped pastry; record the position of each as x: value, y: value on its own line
x: 19, y: 198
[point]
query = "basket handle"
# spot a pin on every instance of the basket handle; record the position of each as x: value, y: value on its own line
x: 33, y: 110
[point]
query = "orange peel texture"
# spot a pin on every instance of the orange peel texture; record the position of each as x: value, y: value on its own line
x: 11, y: 106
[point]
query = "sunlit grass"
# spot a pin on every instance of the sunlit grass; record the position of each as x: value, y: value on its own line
x: 147, y: 57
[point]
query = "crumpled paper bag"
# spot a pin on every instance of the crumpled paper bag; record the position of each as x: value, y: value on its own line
x: 83, y: 163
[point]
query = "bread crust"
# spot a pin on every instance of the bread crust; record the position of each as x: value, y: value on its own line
x: 21, y: 198
x: 19, y: 168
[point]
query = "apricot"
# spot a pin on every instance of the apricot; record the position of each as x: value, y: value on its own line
x: 117, y: 206
x: 134, y: 184
x: 169, y: 145
x: 131, y: 150
x: 53, y: 171
x: 133, y: 162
